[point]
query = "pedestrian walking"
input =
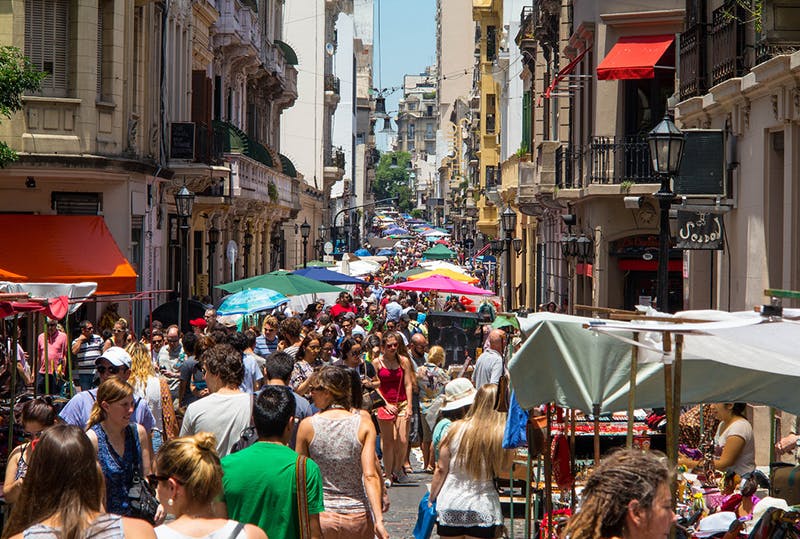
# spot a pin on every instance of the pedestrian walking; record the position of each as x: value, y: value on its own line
x: 470, y: 456
x: 396, y: 378
x: 54, y: 504
x: 268, y: 495
x: 187, y: 477
x: 122, y: 446
x: 341, y: 440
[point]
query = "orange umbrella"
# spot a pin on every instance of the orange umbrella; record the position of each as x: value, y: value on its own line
x: 447, y: 273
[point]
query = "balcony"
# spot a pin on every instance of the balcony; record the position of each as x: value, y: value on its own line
x: 332, y: 86
x: 207, y: 147
x: 727, y: 42
x: 237, y: 29
x: 525, y: 38
x: 334, y: 164
x: 605, y: 161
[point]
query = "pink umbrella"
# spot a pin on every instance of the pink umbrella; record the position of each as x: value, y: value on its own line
x: 440, y: 283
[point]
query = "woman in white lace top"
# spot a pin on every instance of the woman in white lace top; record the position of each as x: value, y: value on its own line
x: 470, y: 456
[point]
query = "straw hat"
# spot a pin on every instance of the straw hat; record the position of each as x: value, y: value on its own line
x: 457, y: 394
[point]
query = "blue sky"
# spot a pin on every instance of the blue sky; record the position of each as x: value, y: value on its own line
x: 407, y: 35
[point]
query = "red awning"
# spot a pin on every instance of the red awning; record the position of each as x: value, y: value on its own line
x: 564, y: 72
x: 63, y: 249
x: 635, y: 57
x: 637, y: 264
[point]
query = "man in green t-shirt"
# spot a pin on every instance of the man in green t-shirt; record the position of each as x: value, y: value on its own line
x: 259, y: 482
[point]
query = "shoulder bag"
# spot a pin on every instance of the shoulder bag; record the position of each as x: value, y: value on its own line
x: 141, y: 496
x: 382, y: 413
x: 302, y: 497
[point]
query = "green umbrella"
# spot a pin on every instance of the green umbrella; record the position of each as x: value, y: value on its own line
x: 316, y: 264
x: 409, y: 272
x: 285, y: 282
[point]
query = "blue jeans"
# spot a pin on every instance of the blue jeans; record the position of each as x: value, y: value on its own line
x: 156, y: 439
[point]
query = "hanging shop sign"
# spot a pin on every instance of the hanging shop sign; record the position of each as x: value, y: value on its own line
x: 700, y: 230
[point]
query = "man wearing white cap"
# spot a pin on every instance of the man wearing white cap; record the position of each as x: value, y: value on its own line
x: 114, y: 362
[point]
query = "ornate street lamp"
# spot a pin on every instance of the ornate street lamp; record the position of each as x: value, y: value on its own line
x: 305, y: 230
x: 583, y: 247
x: 666, y: 150
x: 184, y: 201
x: 509, y: 222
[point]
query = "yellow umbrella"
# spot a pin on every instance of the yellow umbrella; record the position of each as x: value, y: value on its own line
x: 456, y: 276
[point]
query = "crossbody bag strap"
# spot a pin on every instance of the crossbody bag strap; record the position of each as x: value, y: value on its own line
x: 302, y: 497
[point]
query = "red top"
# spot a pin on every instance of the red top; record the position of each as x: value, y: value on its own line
x: 338, y: 309
x: 392, y: 384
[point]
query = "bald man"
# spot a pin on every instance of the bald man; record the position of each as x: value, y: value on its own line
x: 489, y: 367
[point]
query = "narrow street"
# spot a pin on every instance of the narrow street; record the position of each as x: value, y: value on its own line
x: 405, y: 499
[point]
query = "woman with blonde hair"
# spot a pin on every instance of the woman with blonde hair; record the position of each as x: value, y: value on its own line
x: 121, y: 446
x: 470, y: 456
x: 154, y: 390
x: 62, y: 495
x: 627, y: 496
x: 187, y: 479
x: 119, y: 335
x: 431, y: 379
x: 341, y: 440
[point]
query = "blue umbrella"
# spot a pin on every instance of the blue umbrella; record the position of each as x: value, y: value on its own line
x: 386, y: 252
x: 362, y: 252
x: 325, y: 275
x: 251, y: 301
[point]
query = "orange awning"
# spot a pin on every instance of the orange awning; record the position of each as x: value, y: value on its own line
x: 63, y: 249
x: 636, y: 57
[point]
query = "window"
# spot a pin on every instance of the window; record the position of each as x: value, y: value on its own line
x: 412, y: 105
x: 105, y: 33
x: 490, y: 112
x: 491, y: 43
x: 69, y: 203
x: 47, y: 42
x: 410, y: 131
x: 429, y: 110
x: 429, y: 131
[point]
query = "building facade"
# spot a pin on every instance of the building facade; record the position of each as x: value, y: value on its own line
x: 144, y: 98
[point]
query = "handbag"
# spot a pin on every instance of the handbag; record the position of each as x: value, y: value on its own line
x: 141, y: 496
x: 302, y: 497
x: 382, y: 413
x: 426, y: 518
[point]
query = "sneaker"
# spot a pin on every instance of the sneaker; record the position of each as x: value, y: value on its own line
x: 387, y: 482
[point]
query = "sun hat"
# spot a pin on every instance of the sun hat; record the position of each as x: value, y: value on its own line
x: 116, y: 356
x: 761, y: 508
x: 457, y: 394
x: 714, y: 524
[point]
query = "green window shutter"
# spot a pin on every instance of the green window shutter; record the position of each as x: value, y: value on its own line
x: 526, y: 121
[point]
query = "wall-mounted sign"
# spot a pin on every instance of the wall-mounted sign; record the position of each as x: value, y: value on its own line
x: 699, y: 230
x: 181, y: 140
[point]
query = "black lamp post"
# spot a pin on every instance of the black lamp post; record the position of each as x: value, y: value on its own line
x: 666, y: 149
x: 213, y: 239
x: 248, y: 246
x: 321, y: 241
x: 305, y: 230
x: 509, y: 221
x: 184, y: 200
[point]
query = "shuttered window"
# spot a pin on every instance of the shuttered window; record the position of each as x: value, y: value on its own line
x: 47, y: 42
x: 100, y: 51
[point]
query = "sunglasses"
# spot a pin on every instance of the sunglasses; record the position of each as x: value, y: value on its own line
x: 119, y: 331
x: 88, y: 329
x: 355, y: 351
x: 393, y: 345
x: 153, y: 479
x: 27, y: 434
x: 112, y: 369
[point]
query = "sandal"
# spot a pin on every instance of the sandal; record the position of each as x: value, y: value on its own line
x: 408, y: 470
x: 429, y: 469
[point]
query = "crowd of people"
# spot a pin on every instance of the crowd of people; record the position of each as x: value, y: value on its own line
x: 306, y: 419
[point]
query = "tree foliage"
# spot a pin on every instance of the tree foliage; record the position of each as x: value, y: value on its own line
x: 393, y: 181
x: 18, y: 75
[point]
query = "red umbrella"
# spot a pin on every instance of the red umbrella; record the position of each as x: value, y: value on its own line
x: 440, y: 283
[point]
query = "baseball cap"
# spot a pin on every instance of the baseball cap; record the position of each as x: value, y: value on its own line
x: 714, y: 524
x: 350, y: 315
x: 309, y: 322
x: 457, y: 394
x: 116, y: 356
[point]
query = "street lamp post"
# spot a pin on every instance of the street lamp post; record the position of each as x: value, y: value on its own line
x: 248, y: 245
x: 320, y: 241
x: 509, y: 221
x: 305, y: 230
x: 666, y: 149
x: 213, y: 239
x: 184, y: 200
